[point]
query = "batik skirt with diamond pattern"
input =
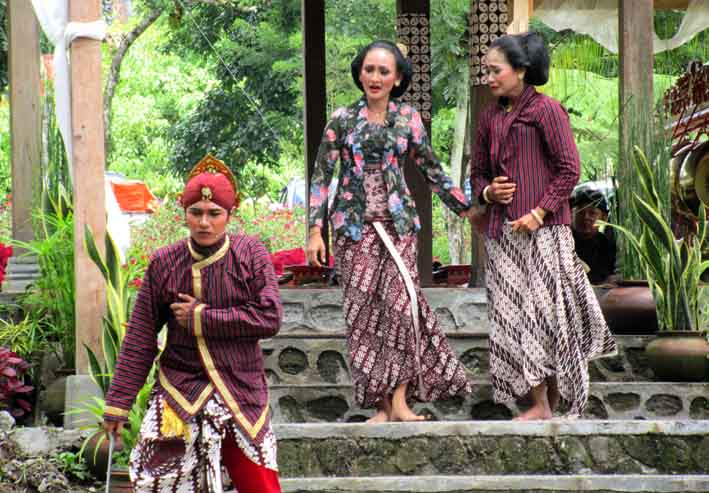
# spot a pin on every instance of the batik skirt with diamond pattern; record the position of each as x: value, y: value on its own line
x: 380, y: 332
x: 190, y: 463
x: 544, y: 316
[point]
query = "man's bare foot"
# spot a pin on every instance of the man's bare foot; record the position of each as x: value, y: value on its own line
x: 381, y: 417
x: 540, y: 412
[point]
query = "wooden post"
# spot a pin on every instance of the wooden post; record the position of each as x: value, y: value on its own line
x: 413, y: 30
x: 635, y: 34
x: 636, y: 62
x: 315, y: 96
x: 480, y: 95
x: 25, y: 116
x: 89, y: 166
x: 521, y: 11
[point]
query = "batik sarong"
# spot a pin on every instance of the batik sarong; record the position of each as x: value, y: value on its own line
x: 380, y: 331
x: 544, y: 316
x: 190, y: 461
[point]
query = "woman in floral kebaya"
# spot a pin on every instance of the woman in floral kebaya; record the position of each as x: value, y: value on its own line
x: 396, y: 346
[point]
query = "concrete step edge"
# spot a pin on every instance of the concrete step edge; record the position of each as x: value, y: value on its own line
x: 443, y: 484
x: 626, y: 386
x: 551, y: 428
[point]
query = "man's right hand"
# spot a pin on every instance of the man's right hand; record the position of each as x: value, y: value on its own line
x: 315, y: 250
x: 114, y: 428
x: 501, y: 190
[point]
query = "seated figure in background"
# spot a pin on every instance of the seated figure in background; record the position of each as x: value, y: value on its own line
x: 595, y: 249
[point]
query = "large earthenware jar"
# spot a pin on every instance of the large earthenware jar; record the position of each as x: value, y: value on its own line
x: 120, y: 481
x: 679, y: 356
x: 629, y: 308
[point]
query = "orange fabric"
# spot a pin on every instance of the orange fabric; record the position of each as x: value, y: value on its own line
x: 133, y: 197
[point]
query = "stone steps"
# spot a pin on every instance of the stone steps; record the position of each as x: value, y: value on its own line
x: 608, y: 400
x: 21, y: 272
x: 517, y: 484
x: 475, y: 448
x: 303, y: 358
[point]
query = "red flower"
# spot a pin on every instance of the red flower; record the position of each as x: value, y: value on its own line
x: 136, y: 283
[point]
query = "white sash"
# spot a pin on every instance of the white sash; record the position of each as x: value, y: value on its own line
x: 379, y: 228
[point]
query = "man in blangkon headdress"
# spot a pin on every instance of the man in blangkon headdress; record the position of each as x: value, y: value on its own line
x: 218, y: 295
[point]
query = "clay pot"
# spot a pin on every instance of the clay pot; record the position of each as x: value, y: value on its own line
x: 679, y: 356
x: 96, y: 455
x: 120, y: 481
x: 629, y: 309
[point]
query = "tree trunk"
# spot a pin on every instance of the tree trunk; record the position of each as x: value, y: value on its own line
x: 456, y: 225
x: 114, y: 75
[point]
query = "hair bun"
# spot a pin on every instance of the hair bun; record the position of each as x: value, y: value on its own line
x: 537, y: 72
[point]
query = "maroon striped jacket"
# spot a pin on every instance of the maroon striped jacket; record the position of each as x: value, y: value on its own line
x: 532, y: 145
x: 239, y: 304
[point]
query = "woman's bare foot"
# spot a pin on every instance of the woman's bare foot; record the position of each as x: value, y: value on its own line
x: 384, y: 411
x: 540, y: 405
x: 553, y: 395
x: 381, y: 417
x: 406, y: 415
x: 400, y: 410
x: 535, y: 413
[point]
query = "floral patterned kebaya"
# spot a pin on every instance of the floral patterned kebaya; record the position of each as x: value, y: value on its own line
x: 350, y: 138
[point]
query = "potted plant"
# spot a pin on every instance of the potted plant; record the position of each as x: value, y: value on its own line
x: 673, y: 268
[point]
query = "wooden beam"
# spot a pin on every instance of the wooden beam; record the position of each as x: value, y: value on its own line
x: 25, y: 116
x: 419, y: 94
x: 671, y: 4
x: 89, y: 169
x: 315, y: 95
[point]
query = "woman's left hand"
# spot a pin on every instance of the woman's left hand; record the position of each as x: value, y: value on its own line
x: 526, y: 224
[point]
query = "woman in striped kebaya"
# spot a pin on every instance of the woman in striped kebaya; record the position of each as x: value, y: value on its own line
x: 545, y: 322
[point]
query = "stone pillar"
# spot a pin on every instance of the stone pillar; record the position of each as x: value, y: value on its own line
x: 315, y: 96
x: 25, y: 115
x: 413, y: 30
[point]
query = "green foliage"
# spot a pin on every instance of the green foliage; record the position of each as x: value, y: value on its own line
x: 119, y: 299
x: 277, y: 228
x: 157, y: 88
x: 118, y: 305
x: 255, y: 55
x: 5, y: 169
x: 349, y: 27
x: 26, y: 339
x: 73, y: 466
x: 673, y: 267
x: 449, y: 50
x: 165, y: 226
x: 49, y: 305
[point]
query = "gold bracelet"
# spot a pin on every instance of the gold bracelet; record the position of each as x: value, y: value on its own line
x: 537, y: 217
